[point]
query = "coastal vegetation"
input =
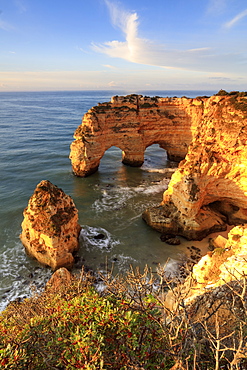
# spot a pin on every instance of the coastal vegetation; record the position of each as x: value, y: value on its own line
x: 126, y: 325
x: 238, y: 99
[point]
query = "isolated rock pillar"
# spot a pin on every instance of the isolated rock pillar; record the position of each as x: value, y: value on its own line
x: 50, y: 229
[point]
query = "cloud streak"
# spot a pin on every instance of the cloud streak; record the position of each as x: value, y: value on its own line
x: 216, y: 7
x: 143, y: 51
x: 236, y: 19
x: 5, y: 26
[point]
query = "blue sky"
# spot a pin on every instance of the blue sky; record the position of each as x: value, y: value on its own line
x: 128, y: 45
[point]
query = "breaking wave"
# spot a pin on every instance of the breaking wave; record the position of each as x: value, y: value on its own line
x: 117, y: 198
x: 97, y: 238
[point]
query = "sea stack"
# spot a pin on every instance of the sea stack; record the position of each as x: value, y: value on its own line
x: 50, y: 229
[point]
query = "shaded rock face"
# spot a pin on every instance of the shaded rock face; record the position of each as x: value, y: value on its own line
x: 50, y: 228
x: 132, y: 123
x: 209, y: 188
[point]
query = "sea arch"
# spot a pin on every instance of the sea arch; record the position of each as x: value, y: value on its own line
x: 133, y: 123
x: 155, y: 155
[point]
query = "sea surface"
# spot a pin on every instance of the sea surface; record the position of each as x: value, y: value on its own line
x: 36, y: 130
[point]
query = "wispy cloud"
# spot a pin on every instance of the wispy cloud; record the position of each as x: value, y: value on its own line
x: 236, y: 19
x: 112, y: 84
x: 82, y: 50
x: 109, y: 66
x: 216, y: 7
x: 127, y: 22
x: 143, y: 51
x: 5, y: 26
x: 21, y: 6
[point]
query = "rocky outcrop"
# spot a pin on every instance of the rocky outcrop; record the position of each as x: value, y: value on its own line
x: 227, y: 262
x: 209, y: 189
x: 132, y: 123
x: 216, y: 271
x: 50, y: 228
x: 61, y: 278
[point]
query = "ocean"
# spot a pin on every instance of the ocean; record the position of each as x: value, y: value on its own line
x: 36, y: 130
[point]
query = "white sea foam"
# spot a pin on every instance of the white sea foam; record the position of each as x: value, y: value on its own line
x: 114, y: 199
x: 154, y: 188
x: 19, y: 275
x: 97, y: 238
x: 123, y: 262
x: 171, y: 268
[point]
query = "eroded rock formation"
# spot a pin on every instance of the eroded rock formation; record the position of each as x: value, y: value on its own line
x: 132, y: 123
x: 209, y: 189
x: 213, y: 297
x: 50, y: 228
x: 225, y: 264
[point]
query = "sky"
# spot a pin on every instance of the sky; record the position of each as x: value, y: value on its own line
x: 125, y: 45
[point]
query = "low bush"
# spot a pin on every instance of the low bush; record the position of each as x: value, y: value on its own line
x: 81, y: 329
x: 126, y: 326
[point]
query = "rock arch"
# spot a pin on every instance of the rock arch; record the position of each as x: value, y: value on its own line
x: 155, y: 155
x: 132, y: 123
x: 209, y: 188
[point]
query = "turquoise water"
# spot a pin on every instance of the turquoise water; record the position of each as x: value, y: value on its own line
x: 36, y: 130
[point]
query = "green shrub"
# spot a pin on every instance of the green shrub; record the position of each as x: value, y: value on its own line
x: 87, y: 331
x: 126, y: 327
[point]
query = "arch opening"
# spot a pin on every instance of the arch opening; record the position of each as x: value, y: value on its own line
x: 111, y: 160
x: 156, y: 157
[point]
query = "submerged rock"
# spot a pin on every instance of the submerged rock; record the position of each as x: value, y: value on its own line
x: 50, y: 229
x: 170, y: 239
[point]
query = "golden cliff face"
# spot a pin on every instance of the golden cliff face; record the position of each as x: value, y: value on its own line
x: 132, y: 123
x: 209, y: 189
x: 50, y: 228
x: 226, y: 263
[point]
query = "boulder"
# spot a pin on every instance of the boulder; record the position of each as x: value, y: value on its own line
x: 60, y: 279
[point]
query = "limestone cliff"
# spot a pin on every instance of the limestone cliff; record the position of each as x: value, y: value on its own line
x: 226, y: 263
x: 50, y: 228
x: 215, y: 293
x: 209, y: 189
x: 132, y: 123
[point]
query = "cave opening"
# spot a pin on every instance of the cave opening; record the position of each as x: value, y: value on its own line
x: 233, y: 214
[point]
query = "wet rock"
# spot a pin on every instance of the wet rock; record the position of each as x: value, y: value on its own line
x: 165, y: 237
x: 211, y: 245
x: 79, y: 261
x: 173, y: 241
x: 99, y: 236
